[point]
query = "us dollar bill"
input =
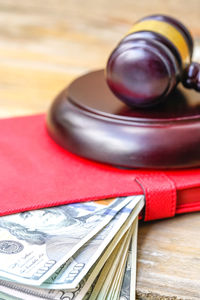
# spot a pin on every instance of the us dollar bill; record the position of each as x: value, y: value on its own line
x: 114, y: 281
x: 92, y: 276
x: 38, y: 242
x: 108, y: 283
x: 133, y: 264
x: 126, y: 284
x: 71, y: 273
x: 128, y: 289
x: 25, y: 292
x: 89, y: 280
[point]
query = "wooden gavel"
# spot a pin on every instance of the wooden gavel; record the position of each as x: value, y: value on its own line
x: 151, y: 60
x: 88, y: 119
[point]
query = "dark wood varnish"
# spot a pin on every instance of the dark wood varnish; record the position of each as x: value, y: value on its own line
x: 88, y: 120
x: 146, y: 65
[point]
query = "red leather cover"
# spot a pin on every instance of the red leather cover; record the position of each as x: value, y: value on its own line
x: 35, y: 172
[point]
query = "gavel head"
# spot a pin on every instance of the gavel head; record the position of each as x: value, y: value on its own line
x: 149, y: 61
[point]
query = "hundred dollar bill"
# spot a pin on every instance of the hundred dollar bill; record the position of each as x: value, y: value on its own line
x: 25, y: 292
x: 76, y: 268
x: 98, y: 283
x: 96, y: 270
x: 112, y: 286
x: 114, y: 281
x: 115, y: 288
x: 133, y: 264
x: 128, y: 290
x: 126, y: 284
x: 81, y: 290
x: 106, y: 281
x: 38, y: 242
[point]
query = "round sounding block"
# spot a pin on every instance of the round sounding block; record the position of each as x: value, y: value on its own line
x: 89, y: 120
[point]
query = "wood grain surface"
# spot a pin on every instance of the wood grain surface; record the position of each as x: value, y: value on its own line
x: 44, y: 45
x: 169, y: 259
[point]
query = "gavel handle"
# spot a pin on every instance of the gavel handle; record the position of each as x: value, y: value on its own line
x: 191, y: 77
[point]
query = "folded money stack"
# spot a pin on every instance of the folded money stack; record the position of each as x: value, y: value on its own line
x: 75, y: 251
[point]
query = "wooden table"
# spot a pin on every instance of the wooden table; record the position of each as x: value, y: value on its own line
x: 43, y: 46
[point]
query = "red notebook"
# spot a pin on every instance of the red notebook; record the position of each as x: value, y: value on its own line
x: 35, y: 172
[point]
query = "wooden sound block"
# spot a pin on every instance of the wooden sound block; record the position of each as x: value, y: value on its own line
x: 88, y: 120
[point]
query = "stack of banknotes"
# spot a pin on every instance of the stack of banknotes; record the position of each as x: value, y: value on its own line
x: 75, y: 251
